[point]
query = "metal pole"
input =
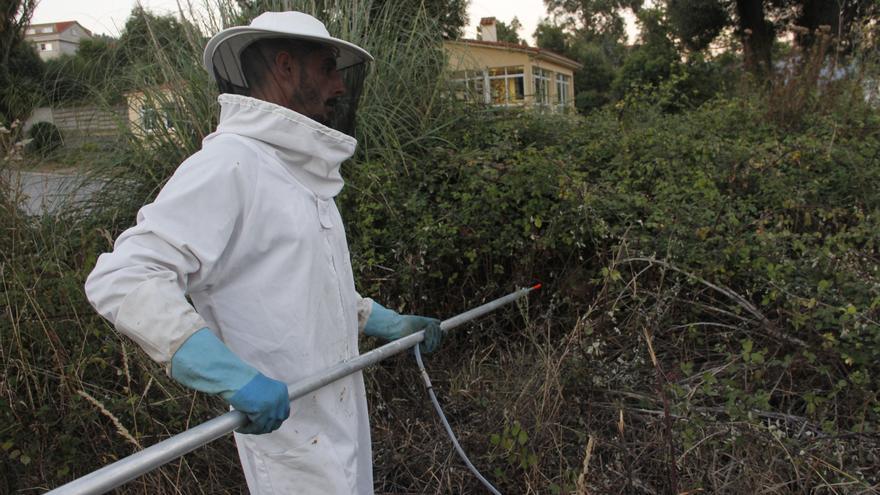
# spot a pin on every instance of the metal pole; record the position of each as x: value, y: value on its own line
x: 129, y: 468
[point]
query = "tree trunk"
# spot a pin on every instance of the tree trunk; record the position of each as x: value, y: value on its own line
x: 757, y: 35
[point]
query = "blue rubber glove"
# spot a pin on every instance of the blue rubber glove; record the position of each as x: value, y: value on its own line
x: 205, y: 364
x: 389, y: 325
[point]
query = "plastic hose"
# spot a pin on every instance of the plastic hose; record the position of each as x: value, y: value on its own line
x: 449, y: 432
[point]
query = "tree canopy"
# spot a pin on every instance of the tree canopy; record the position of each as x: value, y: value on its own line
x: 145, y: 31
x: 551, y: 36
x: 758, y: 24
x: 508, y: 33
x: 20, y: 67
x: 696, y: 24
x: 596, y: 19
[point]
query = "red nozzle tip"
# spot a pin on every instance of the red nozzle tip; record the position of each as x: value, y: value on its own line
x: 536, y: 286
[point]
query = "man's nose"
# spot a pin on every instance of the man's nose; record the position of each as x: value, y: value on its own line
x: 338, y: 84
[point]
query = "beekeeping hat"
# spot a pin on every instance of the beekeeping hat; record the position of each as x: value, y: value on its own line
x: 222, y: 56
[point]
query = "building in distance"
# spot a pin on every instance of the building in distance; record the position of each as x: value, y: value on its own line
x: 54, y: 39
x: 507, y: 74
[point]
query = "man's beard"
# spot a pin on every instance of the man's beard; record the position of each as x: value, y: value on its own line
x: 307, y: 96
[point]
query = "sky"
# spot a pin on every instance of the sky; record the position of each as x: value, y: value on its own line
x: 108, y: 16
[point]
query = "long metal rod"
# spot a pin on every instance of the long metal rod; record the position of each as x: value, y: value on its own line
x: 129, y: 468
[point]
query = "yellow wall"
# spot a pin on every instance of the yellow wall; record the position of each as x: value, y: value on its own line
x: 462, y: 56
x: 155, y: 99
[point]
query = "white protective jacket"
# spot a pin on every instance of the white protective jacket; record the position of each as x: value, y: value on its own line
x: 248, y: 229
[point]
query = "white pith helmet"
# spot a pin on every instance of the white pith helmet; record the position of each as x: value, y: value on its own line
x: 222, y: 53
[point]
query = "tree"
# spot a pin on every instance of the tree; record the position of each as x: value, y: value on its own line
x: 757, y: 23
x: 16, y: 16
x: 146, y: 35
x: 697, y: 22
x: 551, y: 36
x: 653, y: 59
x: 450, y: 15
x: 596, y: 19
x: 593, y: 81
x: 842, y: 17
x: 508, y: 33
x: 20, y: 67
x: 98, y: 67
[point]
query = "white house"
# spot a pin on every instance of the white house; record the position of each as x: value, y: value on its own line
x: 56, y: 38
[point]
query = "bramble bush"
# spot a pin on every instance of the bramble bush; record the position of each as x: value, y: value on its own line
x: 45, y: 138
x: 744, y: 251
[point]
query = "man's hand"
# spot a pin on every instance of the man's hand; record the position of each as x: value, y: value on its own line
x: 389, y: 325
x: 265, y: 402
x: 204, y: 363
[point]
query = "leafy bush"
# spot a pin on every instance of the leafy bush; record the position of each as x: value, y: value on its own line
x: 696, y: 259
x: 45, y: 137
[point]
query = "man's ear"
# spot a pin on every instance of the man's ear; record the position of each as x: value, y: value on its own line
x: 284, y: 67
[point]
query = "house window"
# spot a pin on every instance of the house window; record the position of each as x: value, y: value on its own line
x: 563, y: 83
x: 47, y: 29
x: 469, y: 85
x: 506, y: 85
x: 152, y: 119
x: 45, y: 47
x: 30, y: 31
x: 542, y: 85
x: 149, y: 118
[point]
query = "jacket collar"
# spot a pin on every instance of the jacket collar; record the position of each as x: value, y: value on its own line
x: 310, y: 151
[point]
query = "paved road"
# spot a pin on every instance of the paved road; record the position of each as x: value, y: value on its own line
x: 46, y: 193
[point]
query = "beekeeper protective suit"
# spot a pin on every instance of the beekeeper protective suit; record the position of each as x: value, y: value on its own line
x: 247, y: 228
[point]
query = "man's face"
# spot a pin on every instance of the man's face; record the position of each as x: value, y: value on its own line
x: 317, y: 85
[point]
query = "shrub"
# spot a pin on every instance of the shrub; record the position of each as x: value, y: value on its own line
x: 45, y: 138
x: 694, y: 260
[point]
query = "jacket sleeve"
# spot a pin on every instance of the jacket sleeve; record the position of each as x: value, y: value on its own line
x: 141, y: 286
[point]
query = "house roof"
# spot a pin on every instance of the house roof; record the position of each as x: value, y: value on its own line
x: 61, y: 26
x: 539, y: 52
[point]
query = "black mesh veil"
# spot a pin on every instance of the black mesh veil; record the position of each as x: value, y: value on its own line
x: 345, y: 113
x: 233, y: 78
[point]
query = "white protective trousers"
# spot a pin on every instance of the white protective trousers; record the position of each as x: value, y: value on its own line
x: 247, y: 228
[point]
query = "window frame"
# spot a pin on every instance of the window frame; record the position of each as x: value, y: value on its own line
x: 563, y: 85
x: 541, y: 79
x: 514, y: 74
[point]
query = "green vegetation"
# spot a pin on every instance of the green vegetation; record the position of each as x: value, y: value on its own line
x: 703, y: 40
x: 711, y: 312
x: 45, y: 138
